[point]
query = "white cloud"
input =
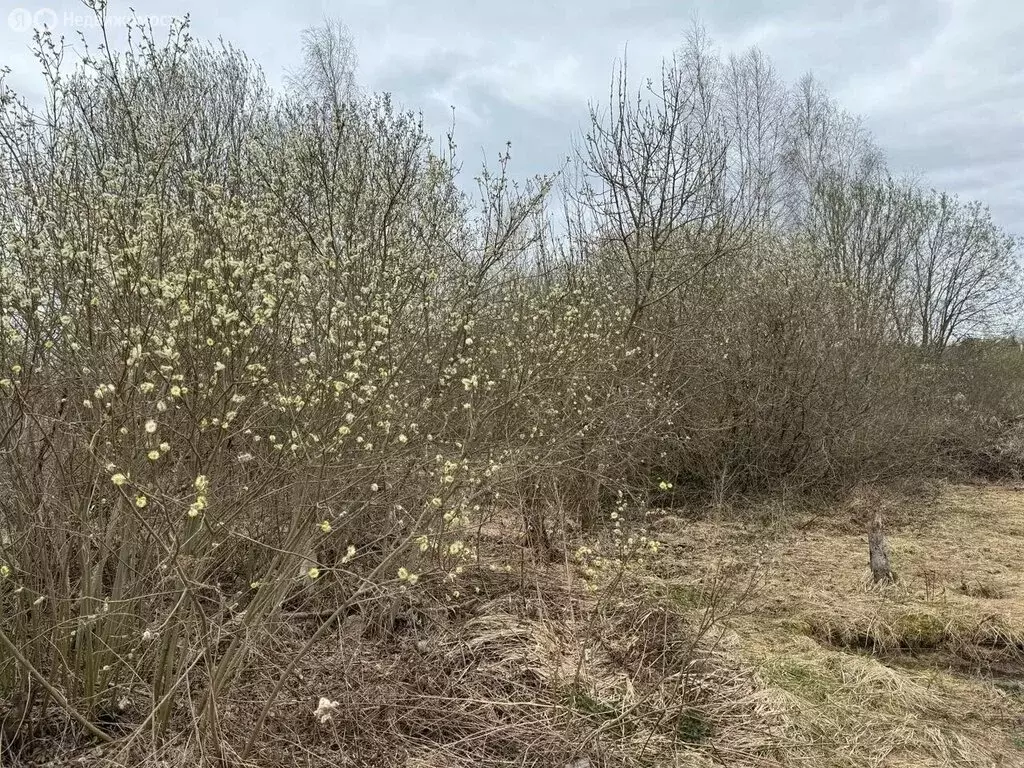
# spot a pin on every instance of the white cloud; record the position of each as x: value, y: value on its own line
x: 939, y: 81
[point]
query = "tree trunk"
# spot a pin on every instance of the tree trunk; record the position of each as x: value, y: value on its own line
x: 534, y: 521
x: 878, y: 549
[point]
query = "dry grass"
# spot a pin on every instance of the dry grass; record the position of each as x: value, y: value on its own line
x: 536, y: 674
x: 925, y: 672
x: 740, y: 645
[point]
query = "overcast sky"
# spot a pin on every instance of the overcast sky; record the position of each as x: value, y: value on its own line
x: 940, y: 82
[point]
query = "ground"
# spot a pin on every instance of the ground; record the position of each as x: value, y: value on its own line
x: 755, y: 637
x: 926, y: 672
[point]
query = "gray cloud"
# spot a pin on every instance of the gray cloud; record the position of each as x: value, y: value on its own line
x: 941, y: 84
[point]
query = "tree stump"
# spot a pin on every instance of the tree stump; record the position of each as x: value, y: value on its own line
x: 878, y: 551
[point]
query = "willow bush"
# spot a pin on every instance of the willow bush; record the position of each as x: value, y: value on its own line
x: 261, y: 351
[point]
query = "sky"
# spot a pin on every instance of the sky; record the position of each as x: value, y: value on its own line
x: 939, y: 82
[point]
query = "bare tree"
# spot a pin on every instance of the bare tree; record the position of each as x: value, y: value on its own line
x: 753, y: 105
x: 823, y: 142
x: 329, y: 62
x: 963, y: 271
x: 655, y: 164
x: 864, y: 232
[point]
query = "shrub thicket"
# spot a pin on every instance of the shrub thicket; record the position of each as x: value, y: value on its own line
x: 260, y: 349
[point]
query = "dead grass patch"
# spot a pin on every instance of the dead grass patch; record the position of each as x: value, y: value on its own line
x: 920, y: 673
x: 734, y: 647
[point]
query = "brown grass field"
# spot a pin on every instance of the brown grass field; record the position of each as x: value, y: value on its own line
x: 753, y: 638
x: 927, y: 672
